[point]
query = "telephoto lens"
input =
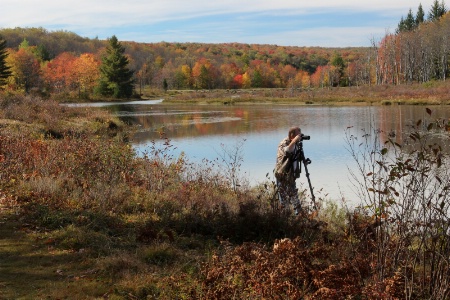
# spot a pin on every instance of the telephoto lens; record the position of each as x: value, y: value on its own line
x: 305, y: 137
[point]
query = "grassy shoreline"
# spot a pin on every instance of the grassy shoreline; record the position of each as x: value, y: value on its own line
x: 433, y: 93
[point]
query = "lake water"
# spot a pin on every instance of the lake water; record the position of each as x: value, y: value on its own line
x: 203, y: 131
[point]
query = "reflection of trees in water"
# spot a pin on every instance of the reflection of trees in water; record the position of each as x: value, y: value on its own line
x: 196, y: 121
x: 200, y: 122
x: 398, y: 122
x: 117, y: 108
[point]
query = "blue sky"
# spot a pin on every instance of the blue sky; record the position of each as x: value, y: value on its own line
x: 325, y: 23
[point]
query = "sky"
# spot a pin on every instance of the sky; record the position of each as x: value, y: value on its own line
x: 304, y: 23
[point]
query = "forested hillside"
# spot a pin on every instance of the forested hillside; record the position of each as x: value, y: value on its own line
x: 180, y: 65
x: 64, y: 63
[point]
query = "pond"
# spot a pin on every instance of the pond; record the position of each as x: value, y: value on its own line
x: 206, y: 131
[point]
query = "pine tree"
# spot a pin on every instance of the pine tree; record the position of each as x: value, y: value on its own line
x: 24, y: 44
x: 420, y: 16
x: 407, y: 24
x: 410, y: 22
x: 116, y: 79
x: 401, y: 25
x: 437, y: 10
x: 5, y: 71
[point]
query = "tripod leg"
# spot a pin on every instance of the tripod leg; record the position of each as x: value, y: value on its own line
x: 309, y: 182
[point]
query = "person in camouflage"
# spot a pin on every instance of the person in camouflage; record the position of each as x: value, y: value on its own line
x: 287, y: 170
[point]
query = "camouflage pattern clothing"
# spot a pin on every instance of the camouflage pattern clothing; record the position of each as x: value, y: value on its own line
x: 287, y: 189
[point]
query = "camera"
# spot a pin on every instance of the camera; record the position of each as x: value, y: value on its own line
x: 305, y: 137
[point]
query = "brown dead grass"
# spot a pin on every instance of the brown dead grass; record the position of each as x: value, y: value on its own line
x: 432, y: 93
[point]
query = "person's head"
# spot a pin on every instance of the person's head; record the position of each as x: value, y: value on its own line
x: 293, y: 132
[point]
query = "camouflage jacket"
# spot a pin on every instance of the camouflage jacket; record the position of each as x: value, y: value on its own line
x: 281, y: 155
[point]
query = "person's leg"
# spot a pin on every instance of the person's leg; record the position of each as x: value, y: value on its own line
x: 283, y: 193
x: 294, y: 198
x: 297, y: 205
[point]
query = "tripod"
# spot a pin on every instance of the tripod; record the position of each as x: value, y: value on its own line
x: 300, y: 156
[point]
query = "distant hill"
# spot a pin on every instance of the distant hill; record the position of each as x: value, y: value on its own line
x: 303, y: 58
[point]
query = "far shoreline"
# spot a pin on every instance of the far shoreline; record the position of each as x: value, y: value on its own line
x: 435, y: 93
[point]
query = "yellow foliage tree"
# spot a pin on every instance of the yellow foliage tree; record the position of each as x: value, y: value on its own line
x: 25, y: 70
x: 86, y: 72
x: 246, y: 81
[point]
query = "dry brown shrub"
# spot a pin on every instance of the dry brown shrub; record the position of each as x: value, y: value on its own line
x: 395, y: 286
x: 94, y: 172
x: 292, y: 270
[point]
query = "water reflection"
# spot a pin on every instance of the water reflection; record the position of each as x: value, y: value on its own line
x: 114, y: 103
x: 199, y: 131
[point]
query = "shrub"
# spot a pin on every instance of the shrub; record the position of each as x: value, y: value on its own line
x: 405, y: 191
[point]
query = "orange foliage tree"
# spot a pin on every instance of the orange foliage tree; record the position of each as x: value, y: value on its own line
x: 229, y: 72
x: 303, y: 79
x: 389, y: 60
x: 320, y: 78
x: 204, y: 73
x: 86, y: 72
x: 288, y: 74
x: 25, y: 69
x: 58, y: 72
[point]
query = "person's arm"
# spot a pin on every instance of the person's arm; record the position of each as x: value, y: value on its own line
x: 291, y: 147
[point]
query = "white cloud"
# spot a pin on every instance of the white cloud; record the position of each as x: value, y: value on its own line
x: 111, y: 12
x: 94, y: 17
x: 321, y: 36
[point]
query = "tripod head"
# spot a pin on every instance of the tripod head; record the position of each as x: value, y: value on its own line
x: 299, y: 154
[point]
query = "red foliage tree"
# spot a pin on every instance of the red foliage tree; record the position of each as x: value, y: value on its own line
x: 58, y: 73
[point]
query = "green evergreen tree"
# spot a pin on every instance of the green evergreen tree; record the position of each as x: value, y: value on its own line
x: 42, y: 53
x: 401, y: 25
x: 5, y: 71
x: 116, y: 79
x: 24, y: 44
x: 257, y: 80
x: 410, y: 22
x: 420, y: 16
x: 437, y: 11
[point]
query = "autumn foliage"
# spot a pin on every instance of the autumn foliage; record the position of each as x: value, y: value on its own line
x: 404, y: 57
x: 68, y: 70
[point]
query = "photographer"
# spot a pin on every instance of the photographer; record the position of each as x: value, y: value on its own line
x: 287, y: 169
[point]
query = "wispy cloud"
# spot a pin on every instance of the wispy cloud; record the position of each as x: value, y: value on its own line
x: 257, y: 21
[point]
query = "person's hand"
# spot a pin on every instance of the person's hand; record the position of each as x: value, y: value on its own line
x: 298, y: 138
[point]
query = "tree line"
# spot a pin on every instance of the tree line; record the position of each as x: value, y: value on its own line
x: 418, y: 51
x: 86, y: 74
x: 63, y: 63
x: 73, y: 66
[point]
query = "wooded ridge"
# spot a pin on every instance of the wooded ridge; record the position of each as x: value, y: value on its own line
x: 61, y: 62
